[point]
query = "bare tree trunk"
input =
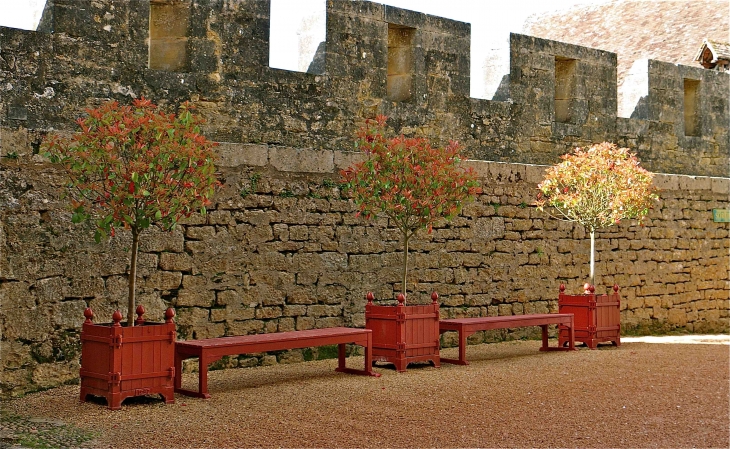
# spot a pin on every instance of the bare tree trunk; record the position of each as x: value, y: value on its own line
x: 405, y: 265
x: 592, y: 279
x: 132, y: 278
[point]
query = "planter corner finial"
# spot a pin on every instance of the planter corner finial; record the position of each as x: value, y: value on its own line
x: 615, y: 288
x: 562, y: 288
x: 435, y: 297
x: 140, y: 311
x: 401, y: 299
x: 89, y: 315
x: 370, y: 297
x: 117, y: 317
x: 169, y: 315
x: 588, y: 288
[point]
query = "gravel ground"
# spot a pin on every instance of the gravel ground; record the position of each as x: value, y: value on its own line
x: 638, y: 395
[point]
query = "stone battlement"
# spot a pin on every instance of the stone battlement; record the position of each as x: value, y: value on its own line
x: 377, y: 60
x: 281, y: 248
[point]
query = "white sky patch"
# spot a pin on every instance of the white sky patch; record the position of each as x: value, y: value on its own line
x: 297, y: 28
x: 23, y: 14
x: 491, y: 24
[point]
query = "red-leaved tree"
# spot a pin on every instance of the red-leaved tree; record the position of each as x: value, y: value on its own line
x: 407, y: 180
x: 134, y: 166
x: 597, y: 187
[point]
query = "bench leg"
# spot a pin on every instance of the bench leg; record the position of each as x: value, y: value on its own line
x: 544, y: 337
x: 570, y: 341
x: 368, y: 371
x: 178, y: 371
x: 202, y: 378
x: 462, y: 350
x: 571, y: 335
x: 341, y: 353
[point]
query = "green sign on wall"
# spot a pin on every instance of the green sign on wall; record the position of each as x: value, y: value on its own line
x: 721, y: 215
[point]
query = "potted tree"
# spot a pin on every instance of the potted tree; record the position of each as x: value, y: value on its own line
x: 414, y: 185
x: 595, y: 187
x: 131, y: 167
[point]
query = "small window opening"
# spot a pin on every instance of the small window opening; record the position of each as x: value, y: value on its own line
x: 691, y: 103
x: 564, y: 89
x: 169, y: 21
x: 400, y: 62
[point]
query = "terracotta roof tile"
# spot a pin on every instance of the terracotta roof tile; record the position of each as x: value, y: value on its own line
x: 669, y: 31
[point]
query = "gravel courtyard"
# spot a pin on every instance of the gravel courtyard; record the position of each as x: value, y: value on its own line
x: 638, y: 395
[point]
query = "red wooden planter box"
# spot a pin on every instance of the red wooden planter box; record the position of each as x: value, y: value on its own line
x: 597, y: 317
x: 118, y: 362
x: 403, y: 334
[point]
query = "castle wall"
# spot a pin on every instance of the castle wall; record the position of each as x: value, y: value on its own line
x: 99, y: 50
x: 282, y: 249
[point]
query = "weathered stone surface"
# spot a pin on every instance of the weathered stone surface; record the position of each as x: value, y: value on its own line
x: 281, y: 249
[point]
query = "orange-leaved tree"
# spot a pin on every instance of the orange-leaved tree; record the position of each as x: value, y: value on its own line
x: 134, y: 166
x: 597, y: 187
x: 408, y: 181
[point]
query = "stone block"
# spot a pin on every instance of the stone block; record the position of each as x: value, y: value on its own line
x: 305, y: 322
x: 14, y: 355
x: 191, y: 316
x: 286, y: 324
x: 175, y: 262
x: 155, y: 241
x: 164, y: 280
x: 227, y: 298
x: 239, y: 154
x: 246, y: 327
x: 47, y: 375
x: 694, y: 182
x: 195, y: 298
x: 200, y: 232
x: 666, y: 182
x: 721, y: 186
x: 265, y: 313
x: 301, y: 160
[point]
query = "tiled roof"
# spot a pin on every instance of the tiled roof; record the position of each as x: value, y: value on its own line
x: 637, y: 29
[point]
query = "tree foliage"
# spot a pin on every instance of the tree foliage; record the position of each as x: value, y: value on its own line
x: 407, y: 180
x: 131, y: 167
x: 597, y: 187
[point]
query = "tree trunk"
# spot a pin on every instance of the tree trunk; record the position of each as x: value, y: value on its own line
x: 132, y: 278
x: 405, y: 265
x: 592, y: 279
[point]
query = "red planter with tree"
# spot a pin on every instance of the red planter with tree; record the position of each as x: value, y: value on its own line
x: 597, y: 318
x: 404, y: 334
x: 121, y: 361
x: 131, y: 167
x: 414, y: 185
x: 597, y: 188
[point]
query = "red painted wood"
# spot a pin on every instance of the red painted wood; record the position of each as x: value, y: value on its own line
x: 118, y: 362
x: 597, y: 317
x: 209, y: 350
x: 468, y: 326
x: 404, y: 334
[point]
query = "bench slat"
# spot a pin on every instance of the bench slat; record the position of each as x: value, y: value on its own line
x: 212, y: 349
x: 467, y: 326
x: 274, y: 337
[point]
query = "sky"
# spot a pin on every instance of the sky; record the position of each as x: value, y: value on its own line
x: 298, y: 26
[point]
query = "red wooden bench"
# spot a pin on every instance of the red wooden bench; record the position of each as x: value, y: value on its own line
x: 467, y: 326
x: 209, y: 350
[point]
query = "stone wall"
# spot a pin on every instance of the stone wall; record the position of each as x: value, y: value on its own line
x: 98, y: 50
x: 282, y: 250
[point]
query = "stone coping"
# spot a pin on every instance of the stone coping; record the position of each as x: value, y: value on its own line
x: 298, y: 160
